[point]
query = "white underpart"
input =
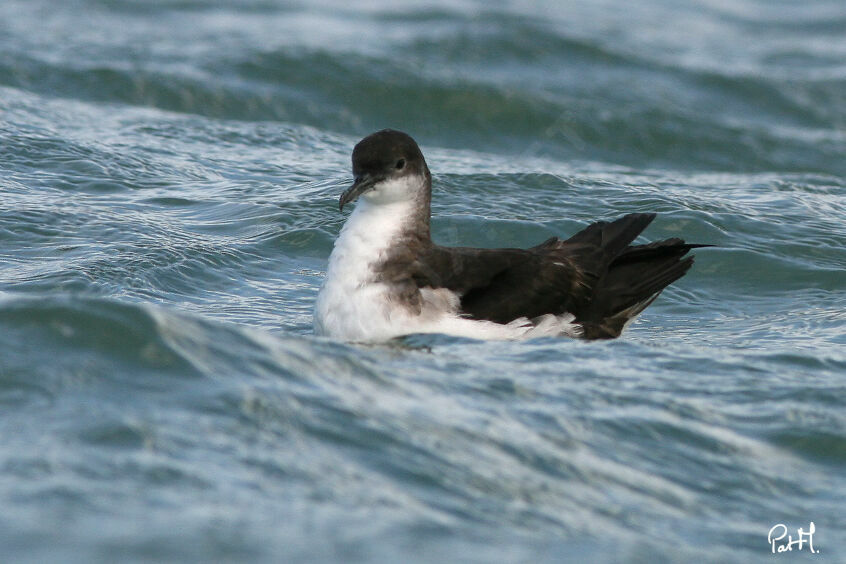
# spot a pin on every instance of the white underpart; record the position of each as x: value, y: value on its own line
x: 351, y: 307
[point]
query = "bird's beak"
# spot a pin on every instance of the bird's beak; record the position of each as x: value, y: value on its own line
x: 362, y: 184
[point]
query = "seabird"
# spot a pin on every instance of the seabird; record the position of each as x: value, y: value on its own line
x: 386, y: 278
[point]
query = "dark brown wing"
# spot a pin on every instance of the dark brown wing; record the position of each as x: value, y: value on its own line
x: 596, y: 275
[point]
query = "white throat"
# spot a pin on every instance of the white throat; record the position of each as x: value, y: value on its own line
x: 366, y: 236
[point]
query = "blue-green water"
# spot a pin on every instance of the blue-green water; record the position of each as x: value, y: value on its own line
x: 169, y: 176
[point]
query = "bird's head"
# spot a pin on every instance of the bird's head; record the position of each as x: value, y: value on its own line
x: 388, y: 167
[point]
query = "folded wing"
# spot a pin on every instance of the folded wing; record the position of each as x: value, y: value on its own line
x: 596, y: 275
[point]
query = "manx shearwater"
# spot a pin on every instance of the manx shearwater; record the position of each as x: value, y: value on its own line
x: 386, y: 278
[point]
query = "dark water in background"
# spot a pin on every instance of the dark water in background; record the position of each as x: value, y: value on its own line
x: 169, y: 175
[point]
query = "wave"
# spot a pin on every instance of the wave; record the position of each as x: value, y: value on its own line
x: 581, y: 98
x: 535, y: 453
x: 169, y: 199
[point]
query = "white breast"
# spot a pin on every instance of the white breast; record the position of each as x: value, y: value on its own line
x: 350, y: 305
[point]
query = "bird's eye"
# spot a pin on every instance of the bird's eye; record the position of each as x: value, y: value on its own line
x: 400, y: 164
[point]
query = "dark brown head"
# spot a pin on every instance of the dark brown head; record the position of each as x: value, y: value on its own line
x: 388, y: 167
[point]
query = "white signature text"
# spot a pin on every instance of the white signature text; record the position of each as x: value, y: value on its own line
x: 777, y: 534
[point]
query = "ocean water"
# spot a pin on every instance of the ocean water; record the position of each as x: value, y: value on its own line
x: 169, y: 178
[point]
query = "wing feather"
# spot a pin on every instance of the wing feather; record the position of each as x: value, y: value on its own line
x: 597, y: 275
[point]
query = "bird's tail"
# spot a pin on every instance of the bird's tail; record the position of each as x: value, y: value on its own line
x: 634, y: 277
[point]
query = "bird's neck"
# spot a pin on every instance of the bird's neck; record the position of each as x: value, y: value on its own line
x: 371, y: 233
x: 423, y: 213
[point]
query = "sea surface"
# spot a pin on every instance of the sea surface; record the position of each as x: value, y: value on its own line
x: 169, y: 182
